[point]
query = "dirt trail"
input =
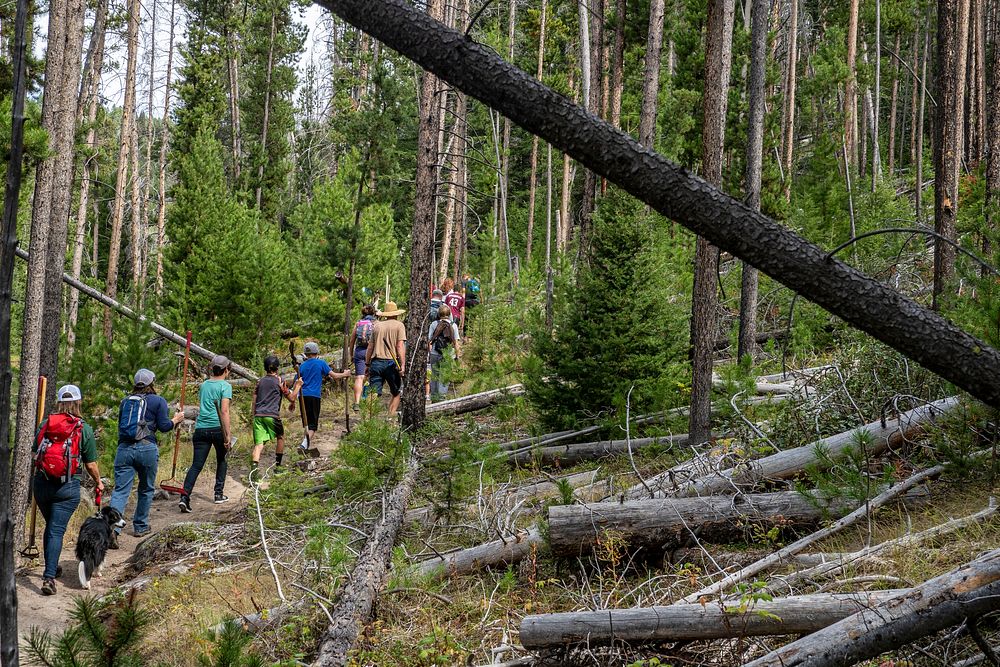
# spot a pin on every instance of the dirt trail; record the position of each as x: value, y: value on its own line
x: 53, y: 612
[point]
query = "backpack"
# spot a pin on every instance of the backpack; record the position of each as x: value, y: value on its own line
x: 441, y: 341
x: 472, y: 287
x: 132, y: 426
x: 363, y: 332
x: 58, y: 453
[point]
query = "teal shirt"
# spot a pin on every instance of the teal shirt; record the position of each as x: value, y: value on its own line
x: 210, y: 397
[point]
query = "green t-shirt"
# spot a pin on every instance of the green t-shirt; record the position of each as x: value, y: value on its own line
x: 210, y: 396
x: 88, y: 445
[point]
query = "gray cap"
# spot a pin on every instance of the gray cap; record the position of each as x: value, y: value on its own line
x: 437, y: 292
x: 221, y: 361
x: 311, y: 348
x: 144, y: 377
x: 68, y: 392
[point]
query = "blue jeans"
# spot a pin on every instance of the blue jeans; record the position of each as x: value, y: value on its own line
x: 57, y: 502
x: 204, y: 440
x: 136, y: 460
x: 439, y: 389
x: 384, y: 371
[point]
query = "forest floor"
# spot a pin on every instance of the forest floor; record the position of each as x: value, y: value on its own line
x: 54, y: 612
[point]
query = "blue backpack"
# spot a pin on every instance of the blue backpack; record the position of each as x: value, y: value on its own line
x: 132, y: 426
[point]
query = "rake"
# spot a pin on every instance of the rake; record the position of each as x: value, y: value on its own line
x: 172, y: 485
x: 30, y: 550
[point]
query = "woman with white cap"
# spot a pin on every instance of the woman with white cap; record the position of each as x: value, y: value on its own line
x: 211, y: 431
x: 141, y: 416
x: 64, y: 442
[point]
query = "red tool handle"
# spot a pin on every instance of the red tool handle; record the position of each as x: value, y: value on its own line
x: 97, y: 498
x: 177, y: 431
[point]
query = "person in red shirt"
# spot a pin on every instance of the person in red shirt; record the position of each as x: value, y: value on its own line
x: 454, y: 300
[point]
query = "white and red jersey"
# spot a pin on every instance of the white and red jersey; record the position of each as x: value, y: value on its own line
x: 456, y: 302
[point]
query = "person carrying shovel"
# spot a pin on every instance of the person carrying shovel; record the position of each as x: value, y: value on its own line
x: 212, y: 430
x: 267, y: 411
x: 313, y: 371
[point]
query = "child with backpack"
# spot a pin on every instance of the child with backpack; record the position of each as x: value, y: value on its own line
x: 212, y: 430
x: 64, y: 446
x: 141, y: 415
x: 267, y: 424
x: 360, y: 339
x: 443, y: 340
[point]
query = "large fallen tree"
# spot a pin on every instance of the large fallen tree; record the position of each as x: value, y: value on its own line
x: 724, y: 221
x: 672, y: 522
x: 566, y: 455
x: 648, y: 625
x: 967, y: 591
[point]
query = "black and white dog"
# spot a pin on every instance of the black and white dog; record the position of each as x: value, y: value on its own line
x: 92, y: 544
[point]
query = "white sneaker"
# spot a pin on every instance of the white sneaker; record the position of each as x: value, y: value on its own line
x: 304, y: 444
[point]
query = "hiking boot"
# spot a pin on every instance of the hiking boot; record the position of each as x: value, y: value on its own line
x: 221, y: 498
x: 185, y: 504
x: 142, y: 533
x: 113, y: 542
x: 356, y: 407
x: 48, y: 586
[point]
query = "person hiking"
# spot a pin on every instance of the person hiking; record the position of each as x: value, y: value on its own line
x: 437, y: 298
x: 386, y: 356
x: 267, y: 424
x: 360, y: 339
x: 63, y: 442
x: 141, y: 415
x: 443, y: 341
x: 212, y: 430
x: 313, y: 371
x: 472, y: 293
x: 455, y: 300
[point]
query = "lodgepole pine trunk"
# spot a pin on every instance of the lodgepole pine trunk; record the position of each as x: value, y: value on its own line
x: 704, y: 298
x: 851, y: 88
x: 968, y: 591
x: 533, y: 178
x: 917, y: 332
x: 992, y: 142
x: 88, y: 106
x: 759, y: 19
x: 422, y: 235
x: 788, y: 140
x: 118, y: 207
x: 793, y: 615
x: 266, y: 120
x: 233, y: 72
x: 914, y: 97
x: 9, y: 635
x: 161, y: 203
x: 357, y: 599
x: 618, y: 63
x: 135, y: 213
x: 505, y: 148
x: 919, y: 189
x: 147, y: 181
x: 651, y: 74
x: 894, y: 99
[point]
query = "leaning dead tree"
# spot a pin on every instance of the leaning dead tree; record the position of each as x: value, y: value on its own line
x: 357, y: 599
x: 968, y: 591
x: 865, y: 303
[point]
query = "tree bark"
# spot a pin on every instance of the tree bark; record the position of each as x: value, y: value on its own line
x: 794, y: 615
x: 357, y: 601
x: 992, y: 142
x: 233, y: 71
x: 618, y: 63
x: 88, y: 106
x: 662, y: 524
x: 135, y: 213
x: 265, y: 121
x: 473, y: 402
x: 505, y: 161
x: 533, y: 179
x: 128, y: 120
x: 704, y: 298
x: 788, y: 140
x: 876, y: 103
x: 922, y: 335
x: 161, y: 203
x: 965, y: 592
x: 747, y: 338
x: 568, y: 455
x: 498, y: 552
x: 851, y: 88
x: 919, y: 186
x: 953, y: 26
x: 147, y: 181
x: 893, y: 104
x: 422, y: 240
x: 651, y: 76
x: 914, y: 97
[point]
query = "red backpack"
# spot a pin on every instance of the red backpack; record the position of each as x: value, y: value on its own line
x: 58, y: 453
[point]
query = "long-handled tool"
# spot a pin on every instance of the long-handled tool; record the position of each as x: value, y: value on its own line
x: 172, y: 485
x: 30, y: 550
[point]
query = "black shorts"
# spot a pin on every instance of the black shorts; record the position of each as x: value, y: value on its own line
x: 311, y: 405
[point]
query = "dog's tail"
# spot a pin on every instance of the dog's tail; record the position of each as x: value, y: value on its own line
x: 85, y: 570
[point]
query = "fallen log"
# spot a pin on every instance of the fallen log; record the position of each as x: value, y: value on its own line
x: 792, y: 462
x: 794, y: 615
x: 567, y: 455
x: 173, y: 337
x: 670, y: 522
x: 497, y: 552
x: 800, y: 545
x: 968, y: 591
x: 357, y: 599
x: 473, y: 402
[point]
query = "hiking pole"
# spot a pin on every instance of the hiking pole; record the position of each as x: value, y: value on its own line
x: 30, y: 550
x: 172, y: 485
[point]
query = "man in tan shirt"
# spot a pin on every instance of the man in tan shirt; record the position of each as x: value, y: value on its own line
x: 385, y: 360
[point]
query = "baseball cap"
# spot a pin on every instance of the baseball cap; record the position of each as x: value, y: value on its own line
x: 68, y: 392
x: 220, y: 361
x: 144, y: 377
x: 437, y: 292
x: 312, y: 348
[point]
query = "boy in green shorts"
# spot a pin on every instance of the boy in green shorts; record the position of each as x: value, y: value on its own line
x: 267, y: 410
